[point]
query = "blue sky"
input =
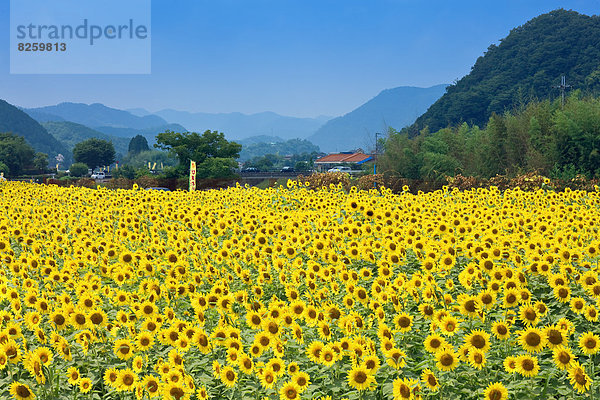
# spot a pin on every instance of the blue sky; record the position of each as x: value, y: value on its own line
x: 293, y: 57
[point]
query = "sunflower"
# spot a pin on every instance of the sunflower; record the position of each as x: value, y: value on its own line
x: 511, y: 298
x: 577, y: 305
x: 589, y: 343
x: 579, y: 379
x: 563, y: 357
x: 201, y: 341
x: 302, y: 380
x: 501, y: 330
x: 85, y: 385
x: 359, y: 378
x: 126, y: 380
x: 245, y: 363
x: 314, y: 351
x: 73, y: 376
x: 562, y: 293
x: 59, y: 319
x: 327, y: 356
x: 532, y: 340
x: 228, y: 376
x: 478, y: 339
x: 79, y: 319
x: 529, y: 315
x: 449, y: 325
x: 426, y: 310
x: 123, y: 349
x: 447, y: 359
x: 477, y: 358
x: 527, y: 365
x: 151, y: 384
x: 144, y: 341
x: 371, y: 363
x: 591, y: 313
x: 267, y: 378
x: 403, y: 322
x: 495, y: 391
x: 396, y: 358
x: 430, y: 380
x: 510, y: 364
x: 289, y: 391
x: 45, y: 355
x: 175, y: 391
x: 21, y: 391
x: 555, y: 336
x: 110, y: 377
x: 402, y: 389
x: 434, y: 342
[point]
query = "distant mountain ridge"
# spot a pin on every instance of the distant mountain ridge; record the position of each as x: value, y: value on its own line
x: 238, y: 126
x: 106, y: 120
x: 527, y: 64
x: 396, y: 108
x: 96, y: 114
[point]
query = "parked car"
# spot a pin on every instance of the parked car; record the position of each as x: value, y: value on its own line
x: 340, y: 168
x: 98, y: 175
x: 287, y: 169
x: 250, y: 169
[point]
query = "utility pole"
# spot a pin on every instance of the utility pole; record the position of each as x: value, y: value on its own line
x: 563, y: 87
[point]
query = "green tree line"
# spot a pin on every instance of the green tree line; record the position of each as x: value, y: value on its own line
x: 543, y: 136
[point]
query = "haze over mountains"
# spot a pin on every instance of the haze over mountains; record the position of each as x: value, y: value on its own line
x: 242, y: 126
x: 394, y: 108
x: 74, y: 122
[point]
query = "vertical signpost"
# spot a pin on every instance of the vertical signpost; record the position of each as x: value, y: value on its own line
x: 192, y: 176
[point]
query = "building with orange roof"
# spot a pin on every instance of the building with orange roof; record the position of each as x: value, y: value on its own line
x: 348, y: 159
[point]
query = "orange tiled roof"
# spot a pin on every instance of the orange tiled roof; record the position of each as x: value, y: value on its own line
x: 343, y: 158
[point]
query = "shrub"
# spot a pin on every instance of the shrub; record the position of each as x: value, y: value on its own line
x: 78, y: 169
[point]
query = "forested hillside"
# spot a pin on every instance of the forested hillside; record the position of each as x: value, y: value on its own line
x: 524, y: 66
x: 71, y: 133
x: 16, y: 121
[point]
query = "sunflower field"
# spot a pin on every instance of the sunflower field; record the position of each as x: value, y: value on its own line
x: 293, y: 293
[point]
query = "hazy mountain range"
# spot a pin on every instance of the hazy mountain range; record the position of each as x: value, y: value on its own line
x: 66, y: 124
x: 395, y: 108
x: 242, y: 126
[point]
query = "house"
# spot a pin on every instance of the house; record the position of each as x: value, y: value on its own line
x: 350, y: 159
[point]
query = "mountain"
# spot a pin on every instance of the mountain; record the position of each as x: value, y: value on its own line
x: 16, y: 121
x: 238, y: 126
x: 95, y: 115
x: 140, y: 112
x: 70, y: 133
x: 109, y: 121
x: 527, y: 64
x: 396, y: 108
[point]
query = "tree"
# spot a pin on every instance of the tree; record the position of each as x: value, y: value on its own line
x: 94, y: 152
x: 199, y: 148
x: 138, y: 144
x: 40, y: 161
x: 15, y: 153
x: 78, y: 169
